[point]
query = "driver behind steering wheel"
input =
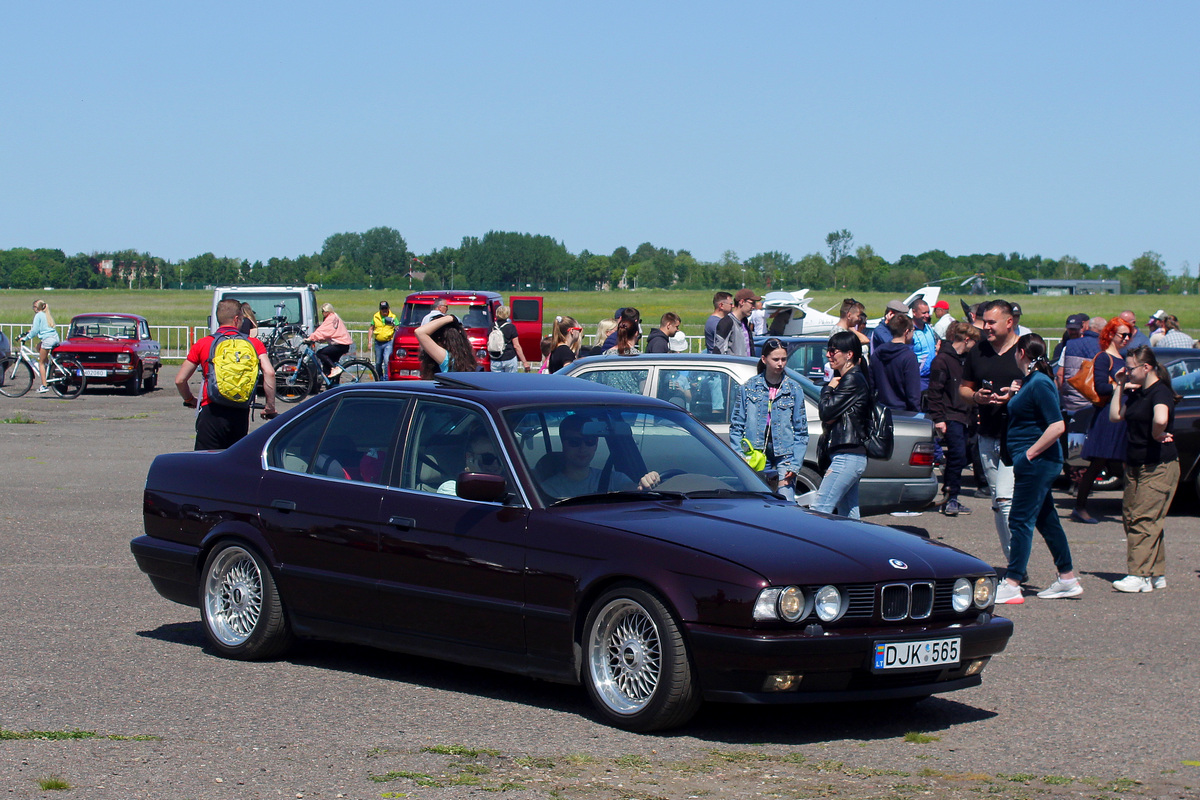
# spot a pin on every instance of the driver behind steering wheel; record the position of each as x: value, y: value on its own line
x: 578, y: 477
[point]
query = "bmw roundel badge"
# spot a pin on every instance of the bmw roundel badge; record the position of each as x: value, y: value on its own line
x: 897, y: 563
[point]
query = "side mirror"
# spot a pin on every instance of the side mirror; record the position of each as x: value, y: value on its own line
x: 482, y: 487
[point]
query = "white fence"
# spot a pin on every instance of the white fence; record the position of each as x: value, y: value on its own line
x: 175, y: 340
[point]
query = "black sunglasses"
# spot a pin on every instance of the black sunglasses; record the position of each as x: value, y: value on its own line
x: 580, y: 441
x: 485, y: 459
x: 771, y: 344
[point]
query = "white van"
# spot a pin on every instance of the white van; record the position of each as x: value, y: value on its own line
x: 297, y: 303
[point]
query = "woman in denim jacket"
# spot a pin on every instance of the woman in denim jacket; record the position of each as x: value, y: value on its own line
x: 769, y: 412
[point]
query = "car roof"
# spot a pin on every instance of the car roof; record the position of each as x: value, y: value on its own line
x: 504, y: 390
x: 696, y: 358
x: 108, y: 314
x: 451, y: 296
x: 1169, y: 354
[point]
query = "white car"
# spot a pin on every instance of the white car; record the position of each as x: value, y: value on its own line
x: 703, y: 385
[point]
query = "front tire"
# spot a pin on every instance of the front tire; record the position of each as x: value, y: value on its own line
x: 636, y: 666
x: 18, y: 377
x: 807, y: 480
x: 240, y: 606
x: 133, y: 386
x: 151, y: 383
x: 69, y: 380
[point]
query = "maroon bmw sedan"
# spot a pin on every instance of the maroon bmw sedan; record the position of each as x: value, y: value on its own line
x: 560, y: 529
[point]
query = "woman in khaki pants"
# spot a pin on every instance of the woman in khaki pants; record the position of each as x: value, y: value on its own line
x: 1151, y: 465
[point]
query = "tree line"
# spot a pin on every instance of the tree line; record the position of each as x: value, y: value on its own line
x: 503, y: 260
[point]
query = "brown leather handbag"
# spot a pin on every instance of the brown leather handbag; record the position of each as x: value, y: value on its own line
x: 1082, y: 381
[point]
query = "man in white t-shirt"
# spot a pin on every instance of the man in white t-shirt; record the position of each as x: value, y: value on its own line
x: 941, y: 313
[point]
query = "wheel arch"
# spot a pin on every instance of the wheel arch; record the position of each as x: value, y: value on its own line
x: 242, y: 533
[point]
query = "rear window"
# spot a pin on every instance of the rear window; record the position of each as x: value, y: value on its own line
x: 470, y: 315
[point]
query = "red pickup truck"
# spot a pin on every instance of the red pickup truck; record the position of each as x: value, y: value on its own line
x: 476, y: 311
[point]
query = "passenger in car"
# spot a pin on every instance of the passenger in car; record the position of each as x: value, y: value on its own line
x: 573, y: 474
x: 480, y: 457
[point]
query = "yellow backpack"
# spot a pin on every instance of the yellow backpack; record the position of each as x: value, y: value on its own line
x: 232, y: 370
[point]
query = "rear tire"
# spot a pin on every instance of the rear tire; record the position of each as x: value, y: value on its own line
x: 240, y: 606
x: 636, y: 664
x: 294, y: 380
x: 358, y: 370
x: 69, y: 381
x: 18, y: 377
x: 807, y: 480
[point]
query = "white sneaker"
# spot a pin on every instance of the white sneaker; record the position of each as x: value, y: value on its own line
x: 1133, y: 584
x: 1159, y: 581
x: 43, y: 389
x: 1007, y: 594
x: 335, y: 372
x: 1061, y: 588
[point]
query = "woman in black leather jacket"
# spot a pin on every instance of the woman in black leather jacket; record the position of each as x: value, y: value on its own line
x: 846, y: 417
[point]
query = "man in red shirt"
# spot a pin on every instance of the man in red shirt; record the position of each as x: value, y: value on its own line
x: 219, y: 426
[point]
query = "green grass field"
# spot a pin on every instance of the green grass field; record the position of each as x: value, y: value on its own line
x: 1043, y: 314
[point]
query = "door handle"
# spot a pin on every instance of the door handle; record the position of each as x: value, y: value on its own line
x: 283, y: 505
x: 402, y: 522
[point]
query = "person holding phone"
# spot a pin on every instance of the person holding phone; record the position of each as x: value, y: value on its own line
x: 1147, y: 407
x: 991, y: 376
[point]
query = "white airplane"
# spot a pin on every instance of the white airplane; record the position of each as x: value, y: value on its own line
x: 788, y: 313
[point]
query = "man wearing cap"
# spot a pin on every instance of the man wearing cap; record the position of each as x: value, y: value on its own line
x: 733, y: 335
x: 941, y: 313
x: 881, y: 335
x: 1154, y: 328
x: 1017, y: 326
x: 383, y: 331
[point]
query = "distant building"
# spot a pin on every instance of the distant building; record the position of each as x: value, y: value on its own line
x: 1049, y: 286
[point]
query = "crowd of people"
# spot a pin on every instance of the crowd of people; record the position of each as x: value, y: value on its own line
x: 998, y: 399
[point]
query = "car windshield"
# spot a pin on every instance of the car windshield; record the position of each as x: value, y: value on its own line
x: 104, y: 327
x: 470, y: 315
x: 610, y: 452
x: 271, y: 306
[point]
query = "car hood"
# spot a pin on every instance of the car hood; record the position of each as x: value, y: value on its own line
x: 785, y: 543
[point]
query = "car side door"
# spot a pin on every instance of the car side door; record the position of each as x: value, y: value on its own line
x: 319, y: 504
x: 451, y: 570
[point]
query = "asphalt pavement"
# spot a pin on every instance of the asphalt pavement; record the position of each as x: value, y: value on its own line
x: 1095, y: 697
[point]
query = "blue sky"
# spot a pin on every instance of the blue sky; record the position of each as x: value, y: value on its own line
x: 258, y: 129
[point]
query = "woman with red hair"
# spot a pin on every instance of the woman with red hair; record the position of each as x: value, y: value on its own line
x: 1106, y: 440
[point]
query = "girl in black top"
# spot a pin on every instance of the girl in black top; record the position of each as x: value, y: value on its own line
x: 1151, y: 465
x: 567, y: 333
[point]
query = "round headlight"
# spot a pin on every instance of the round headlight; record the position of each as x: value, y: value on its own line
x: 985, y: 592
x: 791, y: 603
x: 828, y: 602
x: 961, y: 597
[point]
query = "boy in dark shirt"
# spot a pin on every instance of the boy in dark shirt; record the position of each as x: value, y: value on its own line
x: 949, y: 411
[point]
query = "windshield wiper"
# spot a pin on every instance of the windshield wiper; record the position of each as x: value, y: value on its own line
x: 619, y: 497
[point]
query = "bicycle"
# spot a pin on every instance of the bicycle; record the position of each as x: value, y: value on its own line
x: 64, y: 376
x: 281, y: 338
x: 296, y: 377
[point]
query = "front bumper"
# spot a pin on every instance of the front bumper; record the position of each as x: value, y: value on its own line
x: 835, y: 665
x: 885, y: 495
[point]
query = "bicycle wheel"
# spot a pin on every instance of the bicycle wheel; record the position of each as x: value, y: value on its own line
x: 358, y: 370
x: 18, y: 377
x: 294, y: 380
x: 67, y: 378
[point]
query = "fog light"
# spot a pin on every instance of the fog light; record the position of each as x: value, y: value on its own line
x: 783, y: 682
x: 976, y: 666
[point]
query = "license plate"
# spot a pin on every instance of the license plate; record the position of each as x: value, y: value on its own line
x: 906, y: 655
x: 96, y: 373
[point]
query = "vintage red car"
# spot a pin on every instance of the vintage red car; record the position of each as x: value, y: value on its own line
x: 114, y: 349
x: 477, y: 312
